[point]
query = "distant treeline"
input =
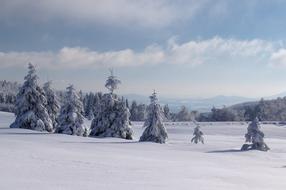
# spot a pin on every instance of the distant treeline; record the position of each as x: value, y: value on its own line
x: 8, y: 91
x: 265, y: 110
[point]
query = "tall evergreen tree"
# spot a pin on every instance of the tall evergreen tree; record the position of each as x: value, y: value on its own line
x: 31, y: 103
x: 81, y: 98
x: 141, y: 112
x: 127, y: 103
x: 96, y: 106
x: 89, y: 108
x: 70, y: 120
x: 167, y: 113
x: 53, y: 104
x: 112, y: 82
x: 112, y: 117
x: 133, y: 111
x: 155, y: 130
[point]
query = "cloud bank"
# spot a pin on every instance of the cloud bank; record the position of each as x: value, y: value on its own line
x: 193, y: 53
x: 159, y: 13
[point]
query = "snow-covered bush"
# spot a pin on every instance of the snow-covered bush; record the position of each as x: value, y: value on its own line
x: 31, y: 111
x: 112, y: 115
x: 198, y: 135
x: 255, y: 136
x: 155, y: 130
x: 71, y: 120
x: 53, y: 104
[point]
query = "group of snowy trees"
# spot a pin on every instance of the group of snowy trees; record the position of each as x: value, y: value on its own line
x: 7, y: 98
x: 254, y: 137
x: 112, y: 118
x: 38, y: 108
x: 8, y: 91
x: 266, y: 110
x: 139, y: 113
x: 91, y: 104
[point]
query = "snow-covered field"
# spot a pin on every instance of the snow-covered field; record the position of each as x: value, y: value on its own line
x: 31, y: 160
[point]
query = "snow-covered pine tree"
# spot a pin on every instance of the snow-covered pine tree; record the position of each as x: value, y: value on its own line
x: 141, y: 112
x: 89, y: 107
x: 81, y: 98
x: 127, y: 103
x: 31, y: 111
x: 53, y: 104
x: 96, y: 104
x: 112, y: 82
x: 112, y: 117
x: 198, y: 134
x: 167, y: 113
x: 155, y: 130
x: 134, y: 111
x: 255, y: 136
x: 70, y: 120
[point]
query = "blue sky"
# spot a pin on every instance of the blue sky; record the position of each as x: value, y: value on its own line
x: 183, y: 48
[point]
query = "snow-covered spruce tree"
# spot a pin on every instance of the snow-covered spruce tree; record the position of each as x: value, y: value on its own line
x: 167, y: 113
x: 70, y: 120
x: 254, y: 136
x: 112, y: 82
x: 112, y: 117
x: 198, y: 134
x: 155, y: 130
x: 53, y: 104
x: 31, y: 111
x: 134, y: 111
x: 89, y: 107
x: 96, y: 104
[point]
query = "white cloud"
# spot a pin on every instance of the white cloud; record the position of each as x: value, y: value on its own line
x: 157, y: 13
x: 278, y: 59
x: 193, y: 53
x: 77, y: 57
x: 219, y: 50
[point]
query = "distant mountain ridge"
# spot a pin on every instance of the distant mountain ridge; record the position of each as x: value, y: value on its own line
x: 192, y: 103
x: 202, y: 104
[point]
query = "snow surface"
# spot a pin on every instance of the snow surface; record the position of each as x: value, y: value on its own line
x: 31, y: 160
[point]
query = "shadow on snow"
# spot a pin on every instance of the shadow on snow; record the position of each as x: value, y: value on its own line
x: 225, y: 151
